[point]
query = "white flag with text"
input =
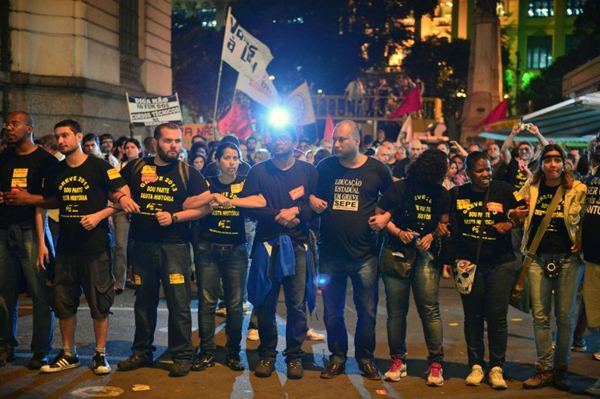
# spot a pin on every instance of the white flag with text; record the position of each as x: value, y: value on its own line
x: 262, y: 91
x: 245, y: 53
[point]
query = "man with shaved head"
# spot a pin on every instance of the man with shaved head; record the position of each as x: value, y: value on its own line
x: 23, y: 170
x: 347, y: 191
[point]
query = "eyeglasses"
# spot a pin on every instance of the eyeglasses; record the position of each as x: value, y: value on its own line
x: 14, y: 124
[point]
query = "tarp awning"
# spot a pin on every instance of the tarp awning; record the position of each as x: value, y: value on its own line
x: 573, y: 120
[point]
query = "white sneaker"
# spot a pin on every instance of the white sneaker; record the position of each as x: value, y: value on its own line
x: 435, y: 375
x: 253, y: 334
x: 396, y: 371
x: 497, y: 379
x: 475, y: 376
x: 312, y: 335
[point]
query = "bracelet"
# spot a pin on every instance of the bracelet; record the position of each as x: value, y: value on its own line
x: 174, y: 218
x: 121, y: 197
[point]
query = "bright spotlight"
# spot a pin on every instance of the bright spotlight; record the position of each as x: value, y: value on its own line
x: 279, y: 117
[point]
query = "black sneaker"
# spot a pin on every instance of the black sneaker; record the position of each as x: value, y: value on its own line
x: 233, y: 362
x: 60, y: 363
x: 180, y: 368
x: 369, y: 370
x: 203, y: 361
x: 37, y: 361
x: 332, y: 370
x: 99, y: 364
x: 265, y: 368
x: 133, y: 362
x: 295, y: 371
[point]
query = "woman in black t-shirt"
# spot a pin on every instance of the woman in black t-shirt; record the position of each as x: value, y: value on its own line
x: 557, y: 266
x: 416, y: 204
x: 480, y: 227
x: 220, y: 255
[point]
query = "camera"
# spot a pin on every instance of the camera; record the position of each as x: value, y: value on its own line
x: 525, y: 126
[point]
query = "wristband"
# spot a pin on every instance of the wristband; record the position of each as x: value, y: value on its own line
x: 174, y: 218
x: 121, y: 197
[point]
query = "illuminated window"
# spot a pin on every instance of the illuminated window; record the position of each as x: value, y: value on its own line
x: 575, y: 7
x: 539, y: 52
x: 540, y: 8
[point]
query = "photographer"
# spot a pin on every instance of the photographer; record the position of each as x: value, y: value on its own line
x: 557, y: 266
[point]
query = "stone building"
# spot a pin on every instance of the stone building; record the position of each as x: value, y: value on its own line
x: 77, y: 59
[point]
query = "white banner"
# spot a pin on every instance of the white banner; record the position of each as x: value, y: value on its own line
x: 245, y: 53
x: 152, y: 111
x: 262, y: 91
x: 300, y: 104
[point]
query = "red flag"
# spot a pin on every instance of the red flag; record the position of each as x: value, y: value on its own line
x: 412, y: 103
x: 328, y: 133
x: 236, y: 121
x: 498, y: 113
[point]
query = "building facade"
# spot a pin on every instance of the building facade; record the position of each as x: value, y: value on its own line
x: 77, y: 59
x: 536, y: 32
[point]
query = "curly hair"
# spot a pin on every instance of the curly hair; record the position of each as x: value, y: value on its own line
x: 430, y: 167
x: 473, y: 157
x: 567, y: 175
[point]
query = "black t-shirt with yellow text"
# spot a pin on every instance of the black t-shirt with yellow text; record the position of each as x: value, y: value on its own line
x: 27, y: 172
x: 466, y: 216
x: 81, y: 191
x: 160, y: 189
x: 415, y: 206
x: 351, y: 195
x: 224, y: 225
x: 556, y: 239
x: 591, y: 220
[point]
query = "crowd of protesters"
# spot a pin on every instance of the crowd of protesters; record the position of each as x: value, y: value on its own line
x: 256, y: 218
x: 378, y: 97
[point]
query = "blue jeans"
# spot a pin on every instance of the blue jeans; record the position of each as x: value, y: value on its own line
x: 215, y: 263
x: 11, y: 260
x: 294, y: 288
x: 154, y: 262
x: 565, y: 291
x: 488, y: 301
x: 424, y: 279
x: 333, y: 274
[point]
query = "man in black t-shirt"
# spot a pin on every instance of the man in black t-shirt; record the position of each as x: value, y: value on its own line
x: 80, y: 188
x: 282, y: 229
x: 23, y: 169
x: 349, y: 186
x: 161, y: 249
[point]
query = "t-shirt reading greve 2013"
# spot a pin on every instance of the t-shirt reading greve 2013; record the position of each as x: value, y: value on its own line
x: 82, y: 191
x: 282, y: 189
x: 224, y: 225
x: 415, y: 206
x: 160, y: 189
x: 351, y: 195
x: 556, y: 239
x: 26, y: 172
x: 591, y: 220
x: 466, y: 214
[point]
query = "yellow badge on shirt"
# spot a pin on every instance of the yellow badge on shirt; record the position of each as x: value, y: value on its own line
x: 463, y: 203
x: 113, y: 174
x: 176, y: 278
x: 149, y: 174
x: 517, y: 196
x: 19, y: 178
x: 137, y: 279
x: 237, y: 188
x: 19, y: 172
